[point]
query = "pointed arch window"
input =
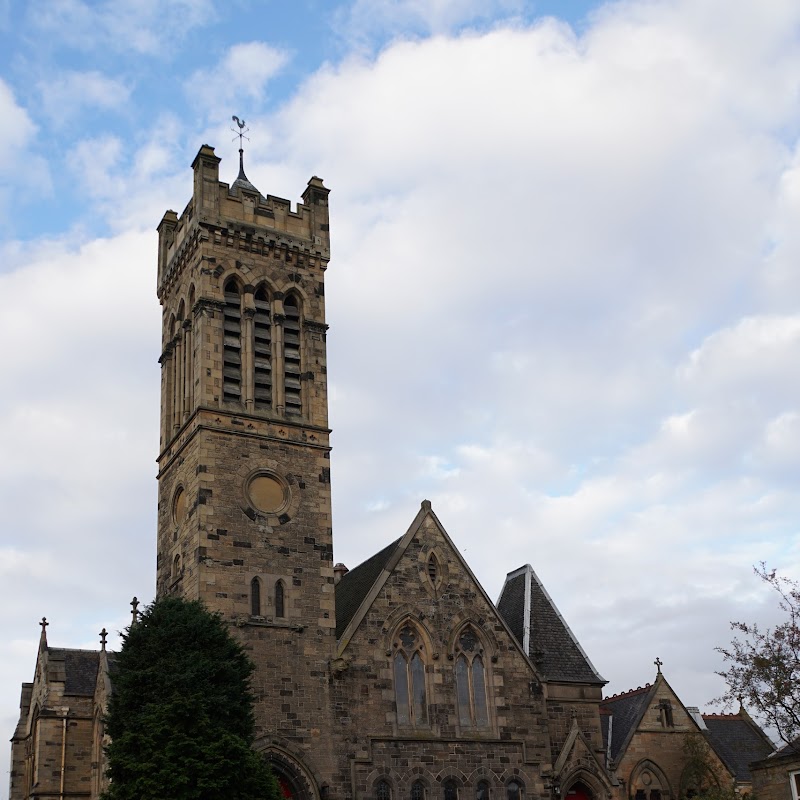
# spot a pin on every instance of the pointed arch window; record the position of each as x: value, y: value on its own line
x: 383, y: 790
x: 279, y: 600
x: 450, y: 789
x: 409, y: 677
x: 232, y: 344
x: 262, y: 351
x: 418, y: 790
x: 482, y: 790
x: 470, y: 674
x: 291, y: 356
x: 433, y: 568
x: 255, y: 597
x: 514, y: 790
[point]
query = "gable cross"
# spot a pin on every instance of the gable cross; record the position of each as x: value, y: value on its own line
x: 659, y: 663
x: 44, y: 623
x: 103, y: 635
x: 135, y: 611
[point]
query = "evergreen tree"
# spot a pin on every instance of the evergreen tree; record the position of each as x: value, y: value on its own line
x: 180, y: 716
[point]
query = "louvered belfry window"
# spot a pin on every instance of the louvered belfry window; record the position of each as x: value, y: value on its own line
x: 262, y: 351
x: 232, y: 344
x: 291, y: 357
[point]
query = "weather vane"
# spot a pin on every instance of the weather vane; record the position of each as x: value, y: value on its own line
x: 242, y: 130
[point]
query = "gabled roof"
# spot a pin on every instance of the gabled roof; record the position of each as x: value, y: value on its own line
x: 355, y: 585
x: 625, y: 711
x: 738, y: 741
x: 80, y: 670
x: 533, y: 618
x: 358, y: 588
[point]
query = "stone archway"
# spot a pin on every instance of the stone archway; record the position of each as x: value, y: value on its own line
x: 578, y: 791
x: 293, y: 781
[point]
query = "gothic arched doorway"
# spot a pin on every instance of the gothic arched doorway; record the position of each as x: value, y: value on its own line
x: 293, y: 783
x: 578, y: 791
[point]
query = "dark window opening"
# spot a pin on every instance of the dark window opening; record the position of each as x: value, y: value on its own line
x: 450, y: 790
x: 433, y: 568
x: 383, y: 791
x: 291, y: 357
x: 232, y: 344
x: 409, y: 679
x: 279, y: 610
x: 262, y: 351
x: 514, y: 790
x: 255, y: 597
x: 470, y: 674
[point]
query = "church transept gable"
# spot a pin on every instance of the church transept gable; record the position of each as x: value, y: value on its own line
x: 426, y: 653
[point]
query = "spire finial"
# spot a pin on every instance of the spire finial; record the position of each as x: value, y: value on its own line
x: 241, y: 134
x: 103, y: 636
x: 659, y: 663
x: 135, y: 610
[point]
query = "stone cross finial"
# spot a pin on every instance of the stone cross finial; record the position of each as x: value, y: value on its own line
x: 659, y: 663
x: 135, y: 610
x: 44, y: 623
x: 103, y: 635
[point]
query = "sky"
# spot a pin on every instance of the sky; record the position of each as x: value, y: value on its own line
x: 563, y: 294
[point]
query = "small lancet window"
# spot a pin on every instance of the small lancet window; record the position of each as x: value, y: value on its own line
x: 450, y: 790
x: 176, y: 566
x: 291, y: 357
x: 418, y: 790
x: 255, y: 597
x: 514, y: 790
x: 383, y: 791
x: 232, y: 344
x: 409, y: 678
x: 482, y: 790
x: 665, y: 714
x: 262, y: 351
x: 470, y: 674
x: 433, y: 568
x: 279, y: 606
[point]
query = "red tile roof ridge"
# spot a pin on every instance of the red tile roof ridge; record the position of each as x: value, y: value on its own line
x: 626, y: 693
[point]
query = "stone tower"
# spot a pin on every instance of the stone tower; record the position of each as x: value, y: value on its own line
x: 244, y: 513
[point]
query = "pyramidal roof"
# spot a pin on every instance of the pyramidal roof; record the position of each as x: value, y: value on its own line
x: 538, y: 626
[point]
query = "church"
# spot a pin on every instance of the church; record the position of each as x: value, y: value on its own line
x: 399, y: 679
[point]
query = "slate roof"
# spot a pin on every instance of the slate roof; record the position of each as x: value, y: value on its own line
x: 526, y: 607
x: 626, y: 710
x: 80, y: 670
x: 792, y: 749
x: 737, y: 741
x: 355, y: 585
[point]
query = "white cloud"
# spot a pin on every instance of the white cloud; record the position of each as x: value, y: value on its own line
x: 240, y: 76
x: 20, y: 170
x: 73, y: 93
x: 145, y: 27
x: 363, y: 20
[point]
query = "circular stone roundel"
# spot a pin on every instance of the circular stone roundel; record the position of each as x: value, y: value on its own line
x: 267, y: 493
